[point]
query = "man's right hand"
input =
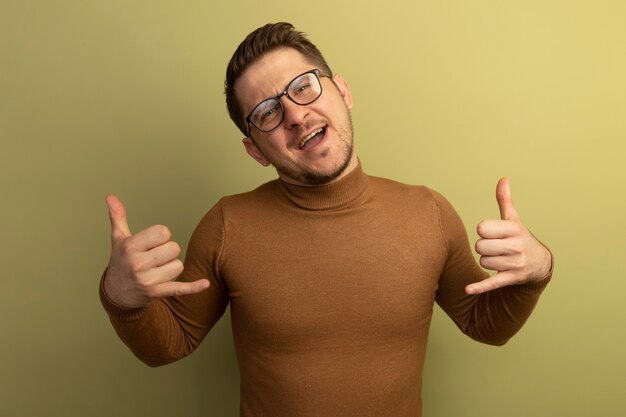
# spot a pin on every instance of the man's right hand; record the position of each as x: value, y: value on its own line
x: 144, y: 266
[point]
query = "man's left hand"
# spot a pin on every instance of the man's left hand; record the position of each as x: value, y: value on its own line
x: 507, y: 247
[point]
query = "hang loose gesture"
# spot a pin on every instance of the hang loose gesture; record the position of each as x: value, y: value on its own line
x: 144, y: 266
x: 507, y: 247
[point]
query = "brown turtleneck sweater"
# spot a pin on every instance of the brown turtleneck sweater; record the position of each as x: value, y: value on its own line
x: 331, y: 291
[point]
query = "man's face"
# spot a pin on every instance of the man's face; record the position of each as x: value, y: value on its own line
x: 328, y: 154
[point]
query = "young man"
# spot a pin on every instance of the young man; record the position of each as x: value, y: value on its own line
x: 331, y: 274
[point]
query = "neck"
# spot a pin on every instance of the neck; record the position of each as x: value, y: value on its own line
x: 346, y: 191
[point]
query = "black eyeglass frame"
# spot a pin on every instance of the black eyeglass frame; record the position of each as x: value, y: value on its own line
x: 285, y: 92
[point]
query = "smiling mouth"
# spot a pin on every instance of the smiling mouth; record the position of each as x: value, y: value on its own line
x: 312, y: 139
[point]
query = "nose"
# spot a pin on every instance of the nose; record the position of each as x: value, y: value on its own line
x: 295, y: 114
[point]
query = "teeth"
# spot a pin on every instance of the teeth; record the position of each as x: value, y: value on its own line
x: 309, y: 136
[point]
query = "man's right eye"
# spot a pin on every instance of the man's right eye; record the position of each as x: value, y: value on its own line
x: 267, y: 113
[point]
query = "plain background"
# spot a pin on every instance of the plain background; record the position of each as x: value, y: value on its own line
x: 126, y: 97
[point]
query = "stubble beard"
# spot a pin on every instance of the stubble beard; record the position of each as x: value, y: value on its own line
x: 345, y: 135
x: 317, y: 178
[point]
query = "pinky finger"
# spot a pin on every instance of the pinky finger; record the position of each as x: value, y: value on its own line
x: 176, y: 288
x: 499, y: 280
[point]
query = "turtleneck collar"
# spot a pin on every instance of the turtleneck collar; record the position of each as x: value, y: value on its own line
x: 338, y: 194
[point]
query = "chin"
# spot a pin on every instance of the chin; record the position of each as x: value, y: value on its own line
x: 320, y: 178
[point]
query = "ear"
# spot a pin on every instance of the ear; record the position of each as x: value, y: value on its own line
x: 255, y: 152
x: 344, y: 89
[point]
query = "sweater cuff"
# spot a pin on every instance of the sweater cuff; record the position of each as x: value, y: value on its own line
x: 115, y: 311
x: 538, y: 286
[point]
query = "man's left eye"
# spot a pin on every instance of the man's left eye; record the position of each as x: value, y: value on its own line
x: 301, y: 88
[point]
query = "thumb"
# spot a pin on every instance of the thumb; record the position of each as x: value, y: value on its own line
x: 117, y: 215
x: 505, y: 203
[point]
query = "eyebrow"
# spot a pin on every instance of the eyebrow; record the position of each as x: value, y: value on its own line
x: 282, y: 91
x: 256, y: 103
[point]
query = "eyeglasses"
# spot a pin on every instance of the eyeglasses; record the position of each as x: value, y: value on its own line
x: 302, y: 90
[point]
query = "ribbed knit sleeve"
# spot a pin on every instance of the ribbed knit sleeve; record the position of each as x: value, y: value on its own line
x: 492, y: 317
x: 172, y: 328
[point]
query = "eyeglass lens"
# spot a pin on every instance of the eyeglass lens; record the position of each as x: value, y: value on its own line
x: 303, y: 90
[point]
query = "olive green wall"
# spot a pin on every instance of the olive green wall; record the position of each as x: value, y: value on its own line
x: 126, y: 97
